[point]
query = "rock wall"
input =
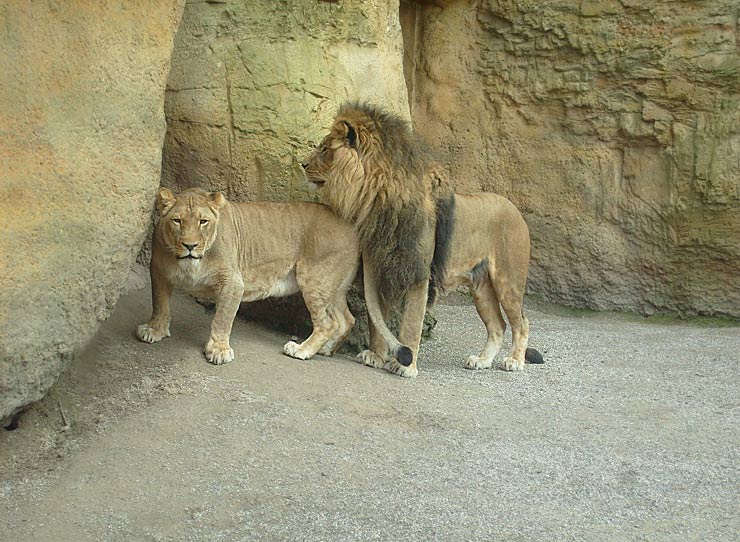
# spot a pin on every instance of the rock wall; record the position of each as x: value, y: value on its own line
x: 614, y: 125
x: 82, y: 128
x: 254, y: 86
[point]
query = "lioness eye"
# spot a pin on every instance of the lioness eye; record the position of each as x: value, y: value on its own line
x: 203, y: 222
x: 176, y: 221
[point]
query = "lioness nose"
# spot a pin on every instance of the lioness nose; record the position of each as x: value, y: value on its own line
x: 190, y: 247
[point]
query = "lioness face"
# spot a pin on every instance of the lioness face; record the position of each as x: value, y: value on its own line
x: 336, y: 163
x: 189, y: 221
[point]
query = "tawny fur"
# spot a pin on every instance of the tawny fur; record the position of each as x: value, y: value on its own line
x: 234, y: 252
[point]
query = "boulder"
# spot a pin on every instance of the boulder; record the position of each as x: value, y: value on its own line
x: 80, y: 156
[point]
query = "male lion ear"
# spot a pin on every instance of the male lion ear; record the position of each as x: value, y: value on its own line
x: 218, y: 200
x: 351, y: 135
x: 165, y: 200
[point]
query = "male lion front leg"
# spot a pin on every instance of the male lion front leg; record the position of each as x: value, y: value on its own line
x: 377, y: 355
x: 217, y: 349
x: 158, y: 327
x: 411, y: 326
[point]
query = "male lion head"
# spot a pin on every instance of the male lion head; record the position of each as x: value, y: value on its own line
x: 188, y: 221
x: 368, y: 157
x: 377, y: 175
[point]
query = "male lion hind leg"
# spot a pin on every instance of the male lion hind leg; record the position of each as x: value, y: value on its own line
x: 487, y: 305
x: 158, y: 327
x: 512, y: 303
x: 217, y: 349
x: 415, y: 307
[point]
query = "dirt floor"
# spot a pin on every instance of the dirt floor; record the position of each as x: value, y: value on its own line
x: 630, y: 431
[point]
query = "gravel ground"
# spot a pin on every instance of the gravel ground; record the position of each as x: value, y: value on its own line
x: 628, y: 432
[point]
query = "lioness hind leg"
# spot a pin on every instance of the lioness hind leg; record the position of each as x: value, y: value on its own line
x: 324, y: 323
x: 487, y: 305
x: 346, y: 322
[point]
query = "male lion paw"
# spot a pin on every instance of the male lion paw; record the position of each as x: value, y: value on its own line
x: 510, y: 364
x: 396, y: 368
x: 293, y: 349
x: 475, y: 362
x: 218, y: 354
x: 149, y: 334
x: 370, y: 358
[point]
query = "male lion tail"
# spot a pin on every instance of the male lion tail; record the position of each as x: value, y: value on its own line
x: 402, y: 353
x: 533, y: 356
x: 442, y: 239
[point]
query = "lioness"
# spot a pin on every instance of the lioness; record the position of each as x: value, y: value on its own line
x: 234, y: 252
x: 418, y: 237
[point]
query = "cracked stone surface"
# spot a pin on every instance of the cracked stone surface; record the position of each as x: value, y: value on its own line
x: 613, y: 125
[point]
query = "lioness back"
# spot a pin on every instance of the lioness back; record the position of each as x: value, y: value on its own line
x: 265, y: 228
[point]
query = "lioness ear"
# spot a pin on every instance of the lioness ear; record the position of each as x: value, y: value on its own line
x: 217, y: 199
x: 165, y: 200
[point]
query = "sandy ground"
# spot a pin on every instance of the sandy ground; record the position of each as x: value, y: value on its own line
x: 630, y: 431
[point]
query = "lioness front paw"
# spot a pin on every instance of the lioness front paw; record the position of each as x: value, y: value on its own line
x: 370, y: 358
x: 396, y: 368
x: 150, y: 334
x: 510, y: 364
x: 293, y: 349
x: 218, y: 353
x: 476, y: 362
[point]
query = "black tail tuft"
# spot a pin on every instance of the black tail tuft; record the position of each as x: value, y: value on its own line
x: 404, y: 356
x: 533, y: 356
x: 442, y: 239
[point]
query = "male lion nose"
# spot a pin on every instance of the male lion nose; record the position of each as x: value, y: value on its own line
x: 190, y: 247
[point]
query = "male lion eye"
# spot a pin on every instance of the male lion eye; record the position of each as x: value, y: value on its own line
x: 203, y: 222
x: 176, y: 221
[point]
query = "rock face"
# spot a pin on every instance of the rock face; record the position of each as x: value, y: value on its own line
x: 613, y: 125
x: 82, y: 128
x: 254, y: 86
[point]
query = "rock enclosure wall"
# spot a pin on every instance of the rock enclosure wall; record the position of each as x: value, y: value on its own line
x: 82, y: 128
x: 255, y: 85
x: 613, y: 125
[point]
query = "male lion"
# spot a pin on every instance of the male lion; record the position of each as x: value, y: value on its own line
x: 417, y: 237
x: 234, y: 252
